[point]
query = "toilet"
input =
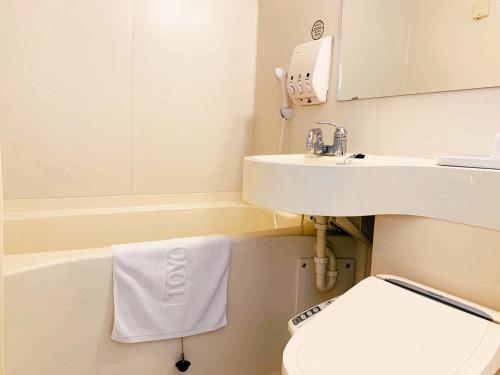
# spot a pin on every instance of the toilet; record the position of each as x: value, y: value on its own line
x: 388, y: 325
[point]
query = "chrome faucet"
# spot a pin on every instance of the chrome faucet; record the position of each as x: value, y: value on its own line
x: 317, y: 146
x: 337, y: 148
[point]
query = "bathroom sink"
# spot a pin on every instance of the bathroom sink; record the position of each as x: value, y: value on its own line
x: 312, y: 159
x: 376, y: 185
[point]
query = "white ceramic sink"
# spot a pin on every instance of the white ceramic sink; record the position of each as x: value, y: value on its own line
x: 312, y: 159
x: 333, y: 186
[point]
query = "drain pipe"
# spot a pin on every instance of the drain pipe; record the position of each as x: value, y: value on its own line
x: 325, y: 261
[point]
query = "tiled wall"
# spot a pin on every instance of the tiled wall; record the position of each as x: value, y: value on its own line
x: 125, y: 96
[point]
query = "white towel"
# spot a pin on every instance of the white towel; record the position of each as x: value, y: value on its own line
x: 168, y: 289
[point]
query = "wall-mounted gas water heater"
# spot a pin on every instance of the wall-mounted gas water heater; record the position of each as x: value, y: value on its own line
x: 309, y: 72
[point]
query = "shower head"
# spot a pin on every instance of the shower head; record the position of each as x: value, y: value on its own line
x: 280, y: 74
x: 286, y: 111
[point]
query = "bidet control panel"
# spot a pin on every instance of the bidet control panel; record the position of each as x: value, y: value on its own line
x: 304, y: 317
x: 309, y: 72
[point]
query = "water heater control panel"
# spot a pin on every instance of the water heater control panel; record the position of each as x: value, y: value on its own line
x: 309, y: 72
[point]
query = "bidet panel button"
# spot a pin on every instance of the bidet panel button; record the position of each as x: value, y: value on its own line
x: 299, y: 321
x: 291, y: 90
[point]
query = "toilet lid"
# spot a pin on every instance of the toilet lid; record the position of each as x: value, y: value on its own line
x: 378, y: 327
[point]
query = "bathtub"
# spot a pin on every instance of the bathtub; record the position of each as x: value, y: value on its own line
x: 58, y: 284
x: 40, y: 225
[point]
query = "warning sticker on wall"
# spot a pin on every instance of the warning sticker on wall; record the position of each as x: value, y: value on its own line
x: 317, y: 29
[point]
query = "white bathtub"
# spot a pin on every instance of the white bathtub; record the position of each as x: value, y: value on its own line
x: 59, y: 302
x: 34, y: 225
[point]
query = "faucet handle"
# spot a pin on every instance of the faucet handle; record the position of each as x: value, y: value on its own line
x: 310, y: 144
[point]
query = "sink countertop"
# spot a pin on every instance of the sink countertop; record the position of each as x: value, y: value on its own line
x: 377, y: 185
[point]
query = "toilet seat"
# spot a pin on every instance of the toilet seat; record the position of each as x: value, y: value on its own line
x: 378, y: 327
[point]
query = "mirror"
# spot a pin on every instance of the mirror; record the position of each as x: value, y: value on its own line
x: 400, y: 47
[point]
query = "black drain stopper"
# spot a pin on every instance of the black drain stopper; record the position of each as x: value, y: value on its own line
x: 182, y: 364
